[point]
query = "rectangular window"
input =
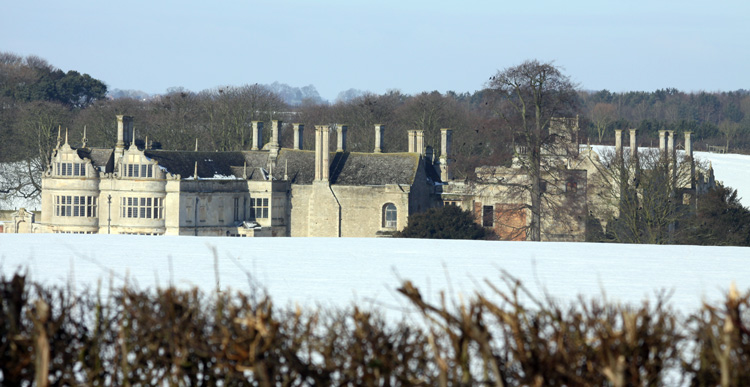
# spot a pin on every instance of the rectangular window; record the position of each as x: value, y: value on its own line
x: 144, y: 208
x: 488, y: 215
x: 259, y: 208
x: 138, y: 170
x: 80, y: 206
x: 71, y: 169
x: 236, y: 209
x: 202, y: 212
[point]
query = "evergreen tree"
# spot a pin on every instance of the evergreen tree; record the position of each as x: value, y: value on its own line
x: 449, y: 222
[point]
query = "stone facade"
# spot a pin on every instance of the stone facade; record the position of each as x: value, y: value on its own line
x: 264, y: 192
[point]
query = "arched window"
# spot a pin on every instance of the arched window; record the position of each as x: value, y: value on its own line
x: 390, y: 215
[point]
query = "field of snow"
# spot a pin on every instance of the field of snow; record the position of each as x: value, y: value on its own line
x: 339, y: 272
x: 732, y: 170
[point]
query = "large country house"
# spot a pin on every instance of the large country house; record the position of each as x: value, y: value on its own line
x: 274, y: 191
x: 265, y: 191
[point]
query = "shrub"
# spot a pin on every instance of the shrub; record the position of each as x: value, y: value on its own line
x: 448, y: 222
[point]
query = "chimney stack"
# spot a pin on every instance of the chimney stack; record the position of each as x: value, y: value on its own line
x: 670, y: 144
x: 341, y: 138
x: 379, y: 129
x: 419, y: 141
x: 445, y: 154
x: 298, y: 129
x: 257, y: 135
x: 618, y: 142
x: 633, y: 145
x: 275, y: 132
x: 124, y: 133
x: 412, y: 141
x: 321, y: 153
x: 689, y: 155
x: 662, y: 142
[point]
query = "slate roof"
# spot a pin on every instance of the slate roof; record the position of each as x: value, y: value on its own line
x: 347, y: 168
x: 100, y: 157
x: 210, y: 164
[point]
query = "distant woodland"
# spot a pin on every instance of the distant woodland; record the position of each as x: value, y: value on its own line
x: 37, y: 98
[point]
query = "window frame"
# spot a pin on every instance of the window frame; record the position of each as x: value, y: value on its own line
x: 390, y: 216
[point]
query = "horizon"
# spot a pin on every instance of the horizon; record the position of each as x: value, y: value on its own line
x: 412, y: 47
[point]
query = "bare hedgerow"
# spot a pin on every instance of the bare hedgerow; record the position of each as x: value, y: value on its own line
x: 504, y: 337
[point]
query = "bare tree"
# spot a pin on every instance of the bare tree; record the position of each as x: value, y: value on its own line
x: 602, y: 115
x: 729, y: 129
x: 645, y: 195
x: 527, y: 97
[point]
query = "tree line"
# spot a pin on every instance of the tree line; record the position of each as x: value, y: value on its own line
x: 37, y: 98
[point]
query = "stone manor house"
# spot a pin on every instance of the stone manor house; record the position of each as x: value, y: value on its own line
x: 274, y: 191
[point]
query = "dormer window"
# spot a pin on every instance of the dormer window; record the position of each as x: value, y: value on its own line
x: 138, y: 170
x: 70, y: 169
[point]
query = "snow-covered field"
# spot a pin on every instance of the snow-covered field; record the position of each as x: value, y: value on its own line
x: 338, y: 272
x: 733, y: 170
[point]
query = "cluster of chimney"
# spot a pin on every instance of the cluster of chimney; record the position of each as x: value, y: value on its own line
x: 666, y: 143
x: 416, y: 143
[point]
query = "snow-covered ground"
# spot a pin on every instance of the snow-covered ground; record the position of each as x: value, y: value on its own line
x: 338, y: 272
x: 733, y: 170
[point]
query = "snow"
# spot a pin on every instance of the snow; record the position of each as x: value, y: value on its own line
x: 732, y: 170
x: 339, y: 272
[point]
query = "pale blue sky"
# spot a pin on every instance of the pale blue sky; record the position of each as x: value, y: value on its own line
x: 413, y: 46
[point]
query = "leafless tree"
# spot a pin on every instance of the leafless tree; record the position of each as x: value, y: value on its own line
x: 645, y: 195
x: 602, y: 115
x: 527, y: 97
